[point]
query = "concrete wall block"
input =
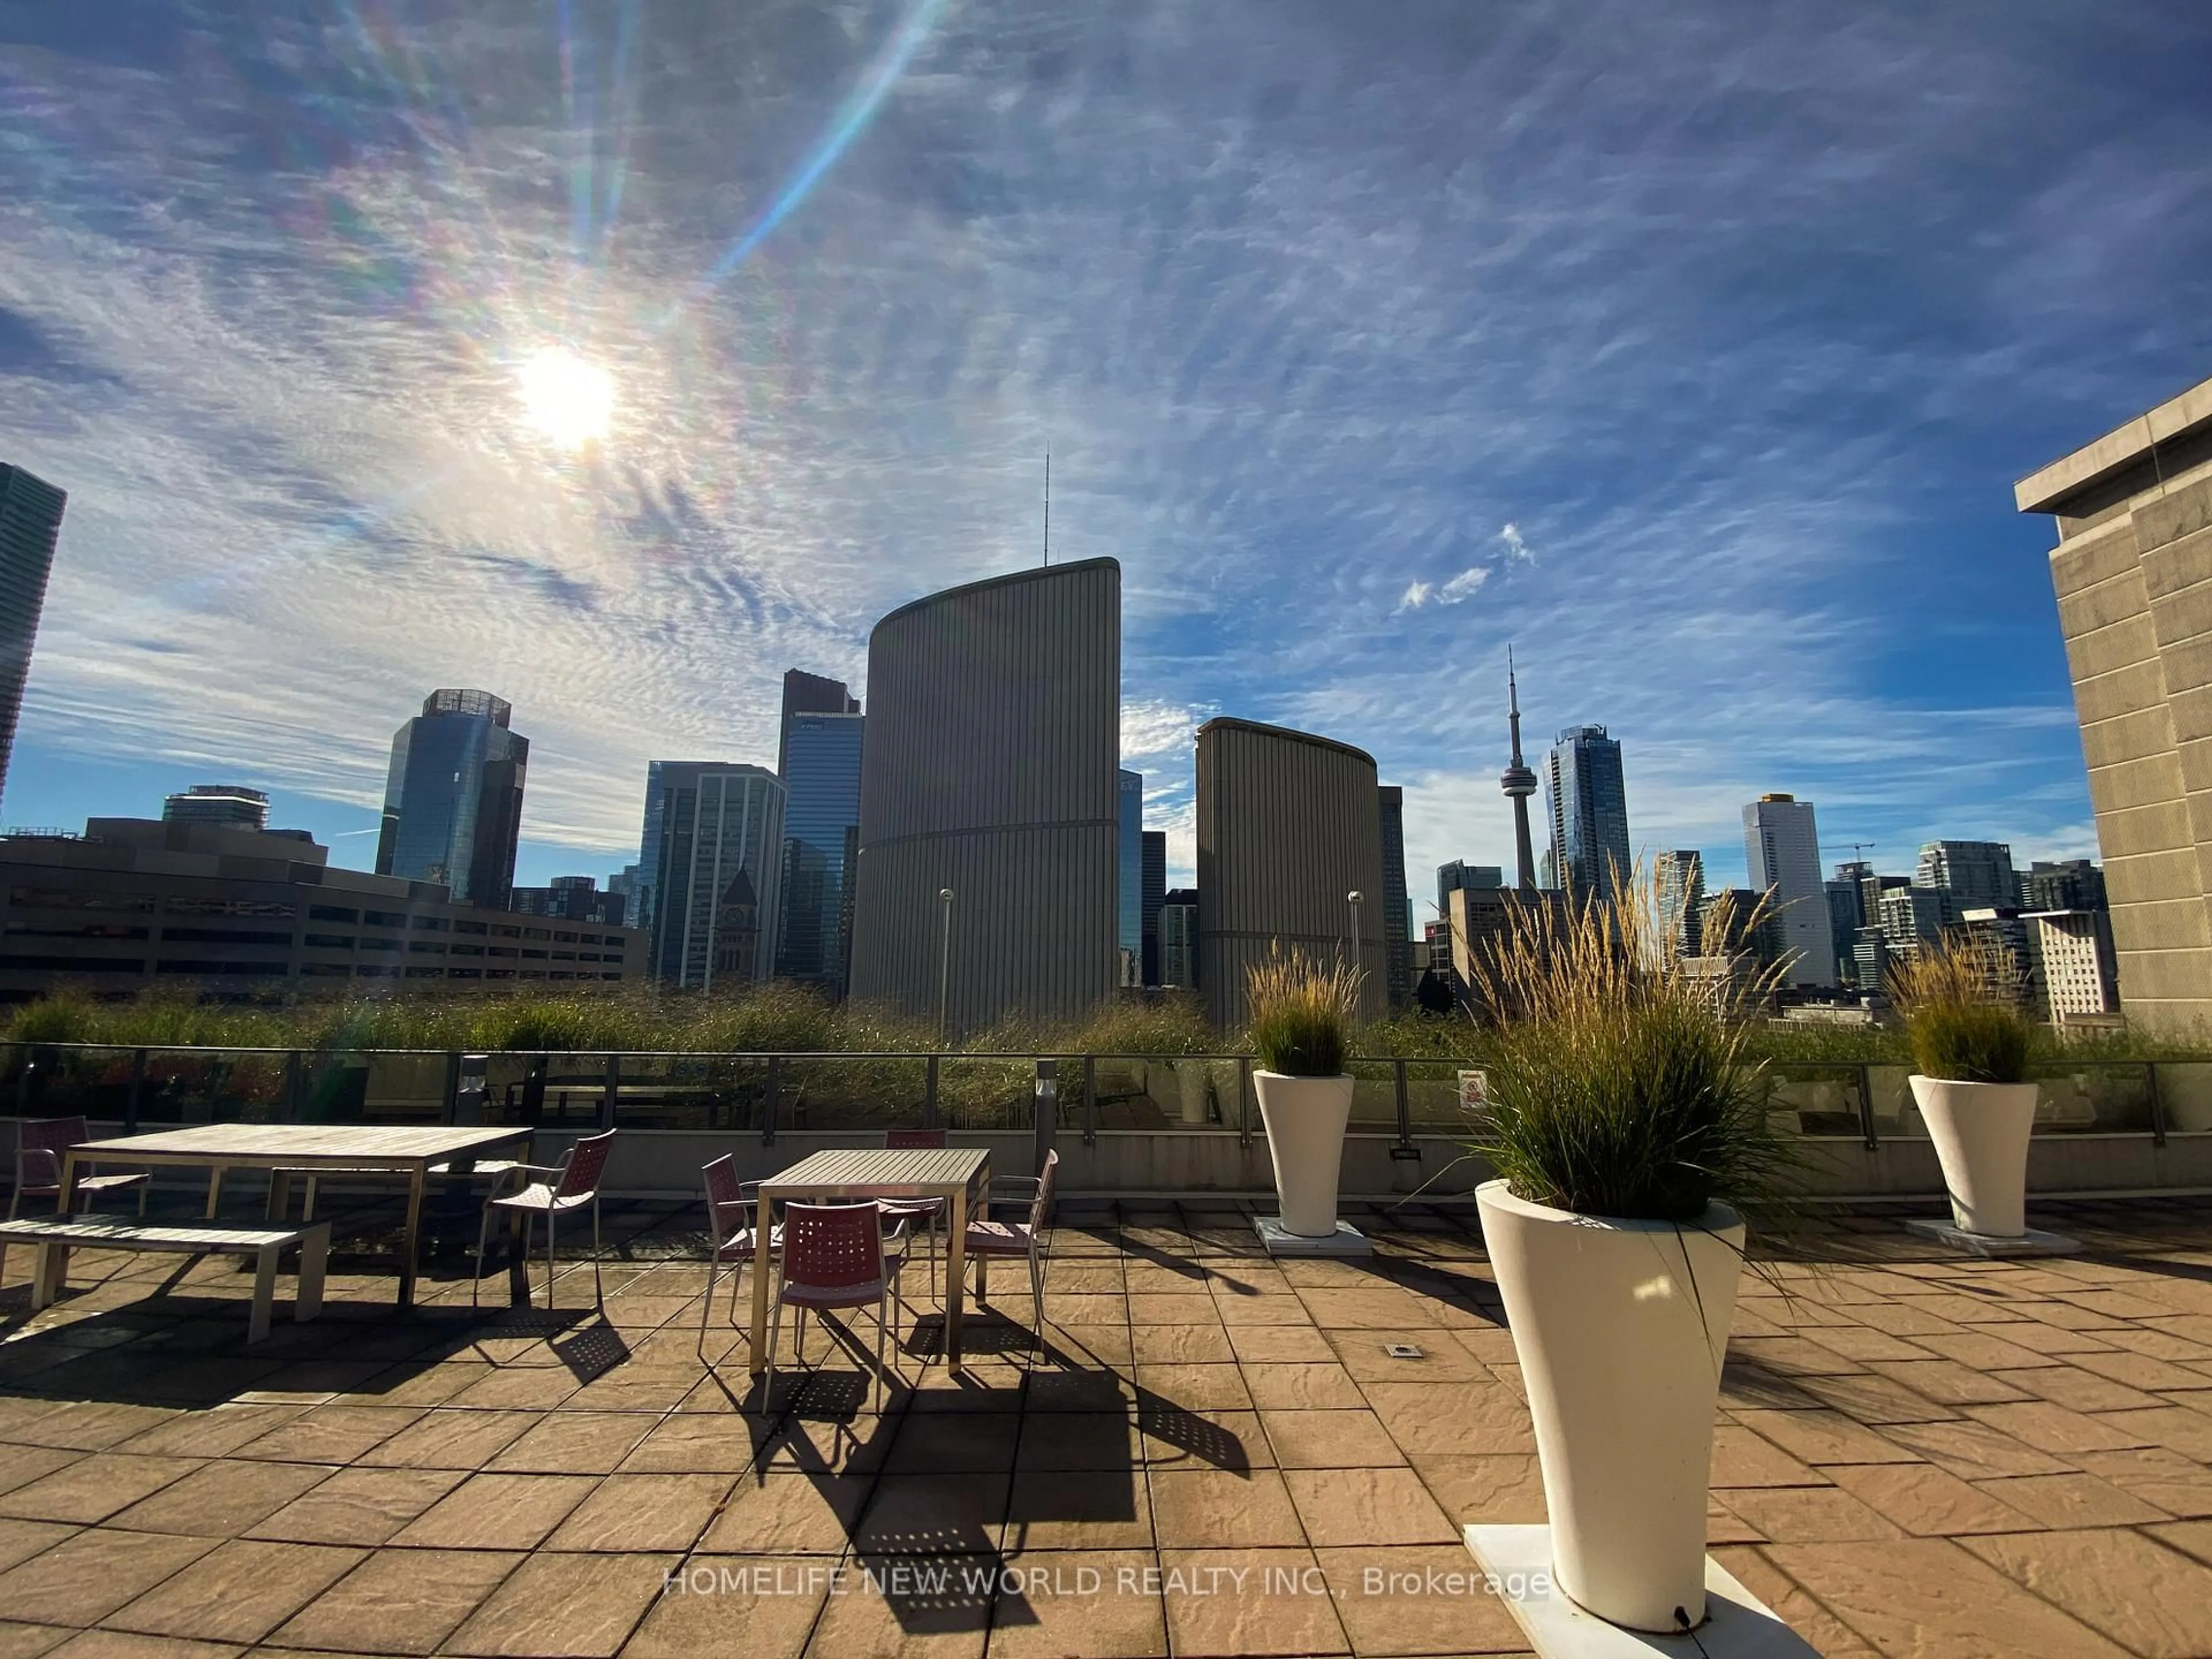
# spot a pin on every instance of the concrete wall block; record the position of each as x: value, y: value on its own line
x: 2153, y: 781
x: 2182, y: 515
x: 2111, y: 737
x: 2121, y: 645
x: 2095, y: 556
x: 2100, y: 606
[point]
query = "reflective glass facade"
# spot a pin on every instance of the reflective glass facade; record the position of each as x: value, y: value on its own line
x: 822, y: 774
x: 30, y: 527
x: 717, y: 871
x: 1129, y: 876
x: 1589, y: 812
x: 452, y: 801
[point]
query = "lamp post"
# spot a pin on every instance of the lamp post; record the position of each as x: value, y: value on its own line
x: 944, y: 964
x: 1354, y: 899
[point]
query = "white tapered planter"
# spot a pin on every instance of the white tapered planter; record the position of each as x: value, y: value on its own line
x: 1305, y: 1118
x: 1981, y: 1133
x: 1191, y: 1077
x: 1621, y: 1327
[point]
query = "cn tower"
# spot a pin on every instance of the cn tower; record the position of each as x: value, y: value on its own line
x: 1519, y: 783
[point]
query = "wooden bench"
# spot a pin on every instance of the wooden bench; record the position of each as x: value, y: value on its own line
x: 56, y: 1236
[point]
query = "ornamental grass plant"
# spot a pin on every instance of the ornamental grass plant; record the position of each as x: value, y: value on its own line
x: 1303, y: 1014
x: 1621, y: 1081
x: 1961, y: 1001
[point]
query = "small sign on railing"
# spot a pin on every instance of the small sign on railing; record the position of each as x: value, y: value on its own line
x: 1474, y: 1091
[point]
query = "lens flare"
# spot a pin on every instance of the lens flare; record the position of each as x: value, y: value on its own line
x: 567, y: 399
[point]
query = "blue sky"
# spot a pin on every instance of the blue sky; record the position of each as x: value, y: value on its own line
x: 1690, y: 348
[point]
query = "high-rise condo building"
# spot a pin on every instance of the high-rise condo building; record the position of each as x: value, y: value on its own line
x: 809, y: 694
x: 1450, y: 878
x: 30, y: 527
x: 1974, y: 874
x: 1179, y: 939
x: 1679, y: 876
x: 452, y: 802
x: 2130, y: 569
x: 821, y: 757
x: 1589, y: 812
x: 994, y: 743
x: 218, y: 803
x: 1156, y: 894
x: 1397, y: 910
x: 1288, y: 830
x: 2063, y: 885
x: 1782, y: 850
x: 1129, y: 878
x: 1846, y: 916
x: 716, y: 867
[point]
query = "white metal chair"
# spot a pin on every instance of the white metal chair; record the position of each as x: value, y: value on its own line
x: 988, y: 1238
x: 568, y: 1185
x: 731, y: 1237
x: 39, y: 1144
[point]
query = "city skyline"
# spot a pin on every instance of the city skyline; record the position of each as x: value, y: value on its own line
x: 1805, y: 408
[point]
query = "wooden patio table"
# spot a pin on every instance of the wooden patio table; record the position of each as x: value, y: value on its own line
x: 951, y: 1173
x: 281, y: 1148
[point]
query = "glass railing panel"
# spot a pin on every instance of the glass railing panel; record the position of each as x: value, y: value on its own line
x: 2103, y: 1099
x: 211, y: 1085
x: 1817, y: 1102
x: 2184, y: 1096
x: 395, y: 1087
x: 1001, y: 1094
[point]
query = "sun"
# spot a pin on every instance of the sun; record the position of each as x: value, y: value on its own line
x: 565, y: 399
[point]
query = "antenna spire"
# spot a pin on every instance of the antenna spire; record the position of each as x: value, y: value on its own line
x: 1048, y: 509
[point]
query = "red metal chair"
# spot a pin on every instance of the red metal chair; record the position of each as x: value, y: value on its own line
x: 988, y: 1238
x: 926, y: 1213
x: 731, y: 1207
x: 568, y: 1185
x: 834, y: 1257
x: 39, y: 1148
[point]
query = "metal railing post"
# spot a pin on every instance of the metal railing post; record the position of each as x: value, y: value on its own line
x: 137, y: 1089
x: 453, y: 1100
x: 1866, y: 1107
x: 1044, y: 1109
x: 1090, y: 1100
x: 288, y: 1112
x: 929, y: 1110
x: 1405, y: 1105
x: 2157, y: 1103
x: 610, y: 1093
x: 769, y: 1101
x: 1243, y: 1100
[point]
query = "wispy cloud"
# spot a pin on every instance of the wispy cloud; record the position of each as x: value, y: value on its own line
x: 1731, y: 320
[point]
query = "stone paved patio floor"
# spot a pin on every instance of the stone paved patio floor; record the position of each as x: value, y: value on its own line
x: 1212, y: 1454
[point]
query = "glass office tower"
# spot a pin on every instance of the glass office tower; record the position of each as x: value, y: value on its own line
x: 1129, y: 877
x: 715, y: 834
x: 30, y: 528
x: 822, y: 777
x: 1589, y: 812
x: 452, y: 802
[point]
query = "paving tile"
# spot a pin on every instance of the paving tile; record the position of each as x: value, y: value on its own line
x: 2137, y: 1370
x: 1278, y: 1344
x: 450, y: 1439
x: 357, y: 1506
x: 1946, y: 1382
x: 519, y: 1388
x: 216, y: 1432
x: 1079, y: 1510
x: 2054, y: 1429
x: 1250, y: 1601
x: 91, y: 1424
x: 1198, y: 1509
x: 1342, y: 1507
x: 2177, y: 1428
x: 88, y: 1576
x: 1804, y: 1514
x: 1929, y: 1597
x: 1176, y: 1438
x: 1927, y: 1502
x: 1188, y: 1345
x: 1429, y: 1600
x: 2179, y: 1486
x: 1095, y: 1602
x: 1741, y: 1458
x: 901, y: 1608
x: 2191, y: 1538
x: 1494, y: 1489
x: 498, y: 1511
x: 220, y: 1500
x: 23, y: 1641
x: 21, y: 1539
x: 1453, y: 1419
x: 574, y: 1443
x: 238, y: 1592
x: 1972, y: 1450
x: 1195, y: 1388
x: 125, y: 1645
x: 92, y: 1488
x: 1984, y: 1351
x: 1302, y: 1386
x: 22, y: 1465
x: 2079, y: 1390
x: 566, y: 1606
x: 1875, y: 1400
x: 2153, y: 1600
x: 1078, y: 1440
x: 761, y: 1606
x: 330, y: 1434
x: 833, y: 1444
x: 403, y: 1600
x: 955, y: 1442
x: 1190, y: 1308
x: 650, y: 1512
x: 2072, y: 1500
x: 1330, y: 1440
x: 933, y: 1514
x: 789, y: 1514
x: 1829, y: 1635
x: 1823, y: 1436
x: 696, y: 1442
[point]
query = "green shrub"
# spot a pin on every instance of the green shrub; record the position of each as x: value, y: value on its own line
x: 1302, y: 1014
x: 1619, y: 1081
x: 1962, y: 1014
